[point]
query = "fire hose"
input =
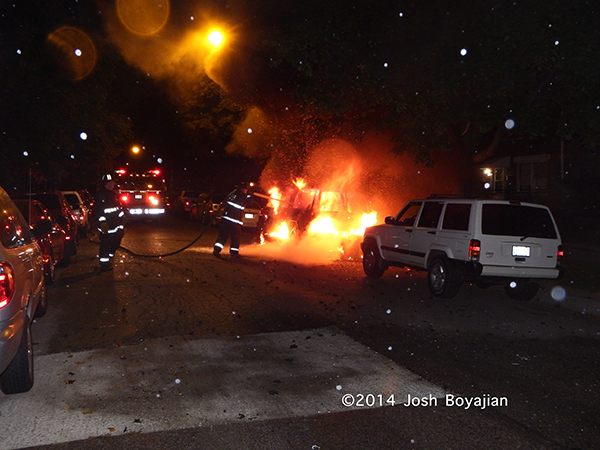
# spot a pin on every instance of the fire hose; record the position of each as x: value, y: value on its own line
x: 131, y: 252
x: 208, y: 225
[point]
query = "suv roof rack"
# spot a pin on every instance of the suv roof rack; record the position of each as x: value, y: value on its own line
x: 447, y: 196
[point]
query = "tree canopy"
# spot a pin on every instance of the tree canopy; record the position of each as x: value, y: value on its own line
x: 448, y: 74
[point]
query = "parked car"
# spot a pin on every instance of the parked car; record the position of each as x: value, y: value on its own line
x: 185, y: 202
x: 61, y: 211
x: 253, y: 218
x: 22, y: 297
x: 202, y: 208
x: 455, y: 239
x: 80, y: 210
x: 47, y: 233
x: 215, y: 204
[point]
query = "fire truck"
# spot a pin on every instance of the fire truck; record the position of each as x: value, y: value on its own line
x: 143, y: 194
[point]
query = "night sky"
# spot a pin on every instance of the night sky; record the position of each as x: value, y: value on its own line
x: 290, y: 78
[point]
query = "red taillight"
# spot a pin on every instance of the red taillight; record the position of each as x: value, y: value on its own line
x: 474, y: 249
x: 559, y: 253
x: 153, y: 199
x: 125, y: 198
x: 7, y: 284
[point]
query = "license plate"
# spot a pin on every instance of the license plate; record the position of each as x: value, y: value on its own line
x: 138, y: 196
x: 521, y: 250
x: 249, y: 216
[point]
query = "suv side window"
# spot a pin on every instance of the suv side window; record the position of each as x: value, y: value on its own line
x: 457, y: 217
x: 408, y: 215
x: 430, y: 217
x: 14, y: 231
x: 517, y: 220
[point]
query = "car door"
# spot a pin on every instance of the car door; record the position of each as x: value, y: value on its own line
x: 424, y: 233
x: 396, y: 236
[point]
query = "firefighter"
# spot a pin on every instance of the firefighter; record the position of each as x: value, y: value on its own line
x: 231, y: 221
x: 110, y: 221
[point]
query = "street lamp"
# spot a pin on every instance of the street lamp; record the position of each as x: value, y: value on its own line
x: 215, y: 38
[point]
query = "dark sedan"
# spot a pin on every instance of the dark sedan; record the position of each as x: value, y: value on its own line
x: 47, y: 233
x: 60, y: 210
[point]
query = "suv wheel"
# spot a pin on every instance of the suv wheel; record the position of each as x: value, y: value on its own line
x: 443, y: 278
x: 524, y: 290
x: 18, y: 376
x: 373, y: 265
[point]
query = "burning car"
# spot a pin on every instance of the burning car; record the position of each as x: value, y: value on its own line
x: 301, y: 211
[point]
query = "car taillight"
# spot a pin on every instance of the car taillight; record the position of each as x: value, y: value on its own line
x: 7, y: 284
x: 559, y: 253
x: 474, y: 249
x: 125, y: 198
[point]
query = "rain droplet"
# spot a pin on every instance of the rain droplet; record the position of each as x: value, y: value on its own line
x: 339, y: 387
x: 463, y: 52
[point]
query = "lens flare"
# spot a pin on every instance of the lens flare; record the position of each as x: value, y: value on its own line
x: 77, y: 51
x: 143, y: 17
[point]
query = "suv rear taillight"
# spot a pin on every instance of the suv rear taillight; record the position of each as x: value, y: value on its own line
x: 474, y: 249
x: 7, y: 283
x: 559, y: 254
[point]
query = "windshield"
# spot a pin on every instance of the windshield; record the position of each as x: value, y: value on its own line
x: 73, y: 200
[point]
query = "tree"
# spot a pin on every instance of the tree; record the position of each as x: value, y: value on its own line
x: 447, y: 75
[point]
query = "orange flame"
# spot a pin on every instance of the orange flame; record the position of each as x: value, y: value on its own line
x: 322, y: 224
x: 367, y: 220
x: 300, y: 183
x: 274, y: 201
x: 281, y: 232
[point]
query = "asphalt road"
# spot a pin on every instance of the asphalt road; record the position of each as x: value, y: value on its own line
x: 270, y: 352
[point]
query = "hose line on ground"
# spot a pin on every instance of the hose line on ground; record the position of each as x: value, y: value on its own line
x: 131, y: 252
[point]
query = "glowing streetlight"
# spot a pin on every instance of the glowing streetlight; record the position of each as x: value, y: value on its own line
x: 135, y: 150
x: 215, y: 38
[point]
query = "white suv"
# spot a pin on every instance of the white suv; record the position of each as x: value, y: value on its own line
x: 456, y: 239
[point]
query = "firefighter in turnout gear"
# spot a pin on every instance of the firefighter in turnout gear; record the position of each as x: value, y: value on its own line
x: 231, y: 221
x: 110, y: 221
